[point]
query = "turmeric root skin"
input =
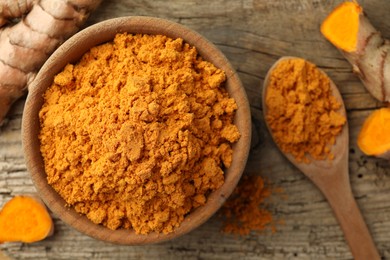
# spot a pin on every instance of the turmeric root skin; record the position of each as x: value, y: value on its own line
x: 25, y: 219
x: 363, y: 46
x: 25, y: 46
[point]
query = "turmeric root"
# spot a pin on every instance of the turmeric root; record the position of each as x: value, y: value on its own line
x: 374, y: 138
x: 25, y: 219
x: 25, y: 46
x: 362, y: 45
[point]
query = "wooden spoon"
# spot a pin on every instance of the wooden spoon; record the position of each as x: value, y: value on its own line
x: 332, y: 178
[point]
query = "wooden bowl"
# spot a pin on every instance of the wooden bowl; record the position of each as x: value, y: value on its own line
x: 70, y: 52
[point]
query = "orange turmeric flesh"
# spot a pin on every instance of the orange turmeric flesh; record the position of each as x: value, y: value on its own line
x: 374, y: 137
x: 24, y: 219
x: 341, y: 27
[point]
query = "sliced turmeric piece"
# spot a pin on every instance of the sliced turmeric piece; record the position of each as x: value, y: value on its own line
x: 374, y: 137
x: 25, y: 219
x: 342, y: 25
x: 349, y: 29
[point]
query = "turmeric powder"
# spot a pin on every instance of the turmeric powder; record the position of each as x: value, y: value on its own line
x: 138, y: 132
x: 302, y: 113
x: 244, y: 211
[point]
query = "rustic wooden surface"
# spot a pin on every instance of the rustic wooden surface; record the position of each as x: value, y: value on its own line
x: 252, y: 34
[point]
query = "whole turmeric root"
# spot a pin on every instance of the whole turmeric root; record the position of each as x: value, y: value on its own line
x: 25, y: 46
x: 362, y: 45
x: 25, y: 219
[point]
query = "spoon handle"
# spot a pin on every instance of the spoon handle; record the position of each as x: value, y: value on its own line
x: 346, y: 210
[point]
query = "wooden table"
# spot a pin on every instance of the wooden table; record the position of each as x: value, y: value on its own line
x: 252, y: 34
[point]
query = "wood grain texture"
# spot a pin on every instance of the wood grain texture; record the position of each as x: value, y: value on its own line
x: 253, y: 34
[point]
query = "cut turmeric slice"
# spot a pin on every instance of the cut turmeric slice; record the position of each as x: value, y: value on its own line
x: 25, y: 219
x: 342, y: 25
x: 374, y: 137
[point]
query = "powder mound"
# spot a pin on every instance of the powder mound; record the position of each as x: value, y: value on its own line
x: 138, y: 132
x: 302, y: 113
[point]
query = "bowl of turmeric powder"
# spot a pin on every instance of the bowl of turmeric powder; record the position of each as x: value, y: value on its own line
x: 136, y: 130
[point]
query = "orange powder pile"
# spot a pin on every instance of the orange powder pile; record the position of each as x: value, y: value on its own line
x: 137, y: 133
x: 302, y: 113
x: 244, y: 211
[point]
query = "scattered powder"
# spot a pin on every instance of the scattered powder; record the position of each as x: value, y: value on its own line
x: 245, y: 210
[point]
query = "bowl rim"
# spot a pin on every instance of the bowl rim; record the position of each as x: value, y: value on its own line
x: 70, y: 51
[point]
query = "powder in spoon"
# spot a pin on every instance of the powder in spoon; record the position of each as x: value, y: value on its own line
x: 302, y: 113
